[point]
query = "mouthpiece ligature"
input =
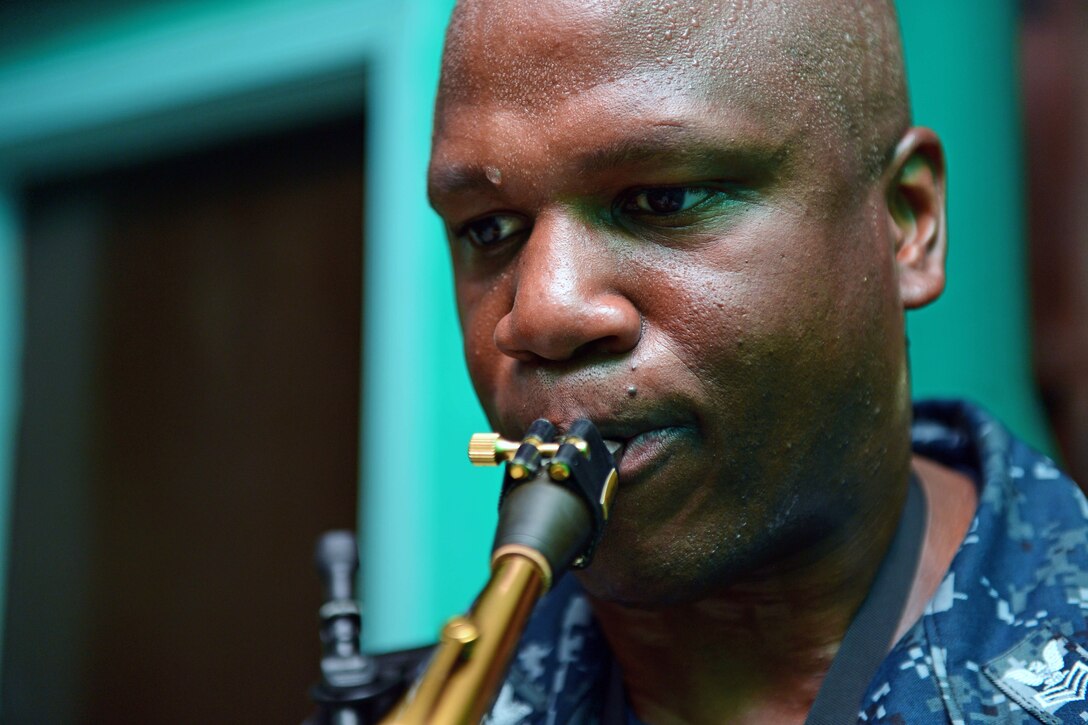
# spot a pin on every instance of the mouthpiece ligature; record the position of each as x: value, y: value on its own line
x: 579, y: 461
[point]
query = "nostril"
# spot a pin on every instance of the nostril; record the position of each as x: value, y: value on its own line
x: 613, y: 345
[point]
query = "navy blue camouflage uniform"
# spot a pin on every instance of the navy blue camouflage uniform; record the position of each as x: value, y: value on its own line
x: 1002, y: 641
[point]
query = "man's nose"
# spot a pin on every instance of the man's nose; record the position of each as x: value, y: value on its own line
x: 568, y: 298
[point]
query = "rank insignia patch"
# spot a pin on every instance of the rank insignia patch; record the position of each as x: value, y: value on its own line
x: 1045, y: 673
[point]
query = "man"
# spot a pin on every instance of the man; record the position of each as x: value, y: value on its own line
x: 699, y: 225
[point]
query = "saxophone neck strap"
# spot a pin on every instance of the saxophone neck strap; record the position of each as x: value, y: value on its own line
x: 869, y: 636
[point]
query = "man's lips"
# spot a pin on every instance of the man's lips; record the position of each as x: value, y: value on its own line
x: 640, y: 432
x: 646, y: 449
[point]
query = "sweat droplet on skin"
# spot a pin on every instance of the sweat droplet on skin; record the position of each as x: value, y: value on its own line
x: 632, y: 391
x: 493, y: 175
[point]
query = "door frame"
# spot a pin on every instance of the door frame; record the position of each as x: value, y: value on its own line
x: 147, y: 82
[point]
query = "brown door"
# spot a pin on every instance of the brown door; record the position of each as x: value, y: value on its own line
x: 192, y: 368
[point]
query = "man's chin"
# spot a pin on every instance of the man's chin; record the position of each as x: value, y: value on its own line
x: 642, y: 588
x: 622, y: 593
x: 643, y: 576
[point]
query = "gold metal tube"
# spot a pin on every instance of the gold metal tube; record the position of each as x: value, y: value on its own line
x: 460, y: 684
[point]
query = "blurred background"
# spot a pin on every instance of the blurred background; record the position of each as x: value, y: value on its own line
x: 226, y: 325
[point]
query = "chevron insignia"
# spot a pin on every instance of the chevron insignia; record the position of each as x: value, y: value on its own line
x: 1044, y: 673
x: 1070, y: 689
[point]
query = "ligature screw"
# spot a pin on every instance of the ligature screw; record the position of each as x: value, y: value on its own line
x: 491, y: 449
x: 559, y: 471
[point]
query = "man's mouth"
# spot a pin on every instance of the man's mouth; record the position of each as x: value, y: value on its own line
x: 638, y: 440
x: 647, y: 450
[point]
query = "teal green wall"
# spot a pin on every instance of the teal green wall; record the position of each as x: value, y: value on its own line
x: 963, y: 67
x: 169, y: 75
x: 426, y: 516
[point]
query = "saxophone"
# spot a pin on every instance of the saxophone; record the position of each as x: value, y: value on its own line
x: 556, y: 498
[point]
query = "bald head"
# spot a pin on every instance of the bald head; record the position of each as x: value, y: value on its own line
x: 824, y: 65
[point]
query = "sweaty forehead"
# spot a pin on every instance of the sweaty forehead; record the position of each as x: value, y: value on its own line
x: 830, y: 63
x: 522, y: 54
x: 519, y: 51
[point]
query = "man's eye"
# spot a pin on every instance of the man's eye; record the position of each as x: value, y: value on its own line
x: 665, y: 200
x: 492, y: 230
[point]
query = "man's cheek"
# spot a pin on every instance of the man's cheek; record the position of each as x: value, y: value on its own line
x: 707, y: 332
x: 478, y: 340
x: 480, y: 355
x: 476, y: 308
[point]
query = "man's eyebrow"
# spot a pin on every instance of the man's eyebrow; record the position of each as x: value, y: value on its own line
x: 682, y: 146
x: 675, y: 144
x: 452, y: 180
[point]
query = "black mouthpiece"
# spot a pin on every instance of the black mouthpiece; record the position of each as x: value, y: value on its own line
x: 561, y: 510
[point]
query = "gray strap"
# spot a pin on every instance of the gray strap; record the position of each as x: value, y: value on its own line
x: 870, y: 634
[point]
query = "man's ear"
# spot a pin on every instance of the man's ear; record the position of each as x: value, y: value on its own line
x: 916, y: 206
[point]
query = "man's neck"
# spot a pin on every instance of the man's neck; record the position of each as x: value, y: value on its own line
x: 758, y: 652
